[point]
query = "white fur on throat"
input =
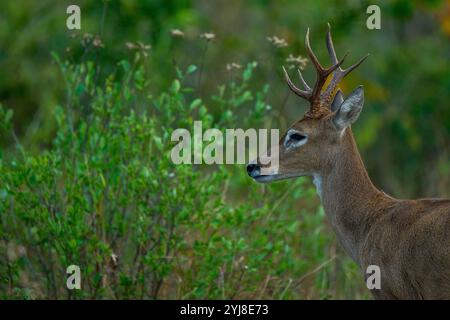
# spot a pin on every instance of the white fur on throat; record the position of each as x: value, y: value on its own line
x: 317, y: 180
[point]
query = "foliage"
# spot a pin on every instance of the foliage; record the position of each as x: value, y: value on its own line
x: 85, y: 174
x: 107, y: 197
x: 409, y: 52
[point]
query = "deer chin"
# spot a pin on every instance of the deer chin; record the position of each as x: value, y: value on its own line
x: 275, y: 177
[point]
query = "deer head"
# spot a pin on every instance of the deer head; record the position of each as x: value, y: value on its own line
x: 311, y: 144
x: 407, y: 240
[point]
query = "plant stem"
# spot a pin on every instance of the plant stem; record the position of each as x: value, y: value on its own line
x: 202, y: 64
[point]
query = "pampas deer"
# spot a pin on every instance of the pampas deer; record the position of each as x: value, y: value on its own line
x: 408, y: 239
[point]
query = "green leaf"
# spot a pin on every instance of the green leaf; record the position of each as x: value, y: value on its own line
x: 175, y: 86
x: 191, y: 69
x: 125, y: 65
x: 8, y: 116
x: 195, y: 104
x: 158, y: 143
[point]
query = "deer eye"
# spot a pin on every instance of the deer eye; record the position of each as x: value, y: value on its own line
x: 294, y: 139
x: 297, y: 137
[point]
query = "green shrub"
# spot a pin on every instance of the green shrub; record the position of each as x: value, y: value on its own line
x: 106, y: 197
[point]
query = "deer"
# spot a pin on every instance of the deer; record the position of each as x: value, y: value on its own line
x: 409, y: 240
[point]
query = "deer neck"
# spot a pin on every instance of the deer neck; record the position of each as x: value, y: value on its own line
x: 348, y: 196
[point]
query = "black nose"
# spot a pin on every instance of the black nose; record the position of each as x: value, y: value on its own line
x: 253, y: 170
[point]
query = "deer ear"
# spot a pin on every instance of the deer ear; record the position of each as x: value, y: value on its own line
x: 350, y: 109
x: 337, y: 101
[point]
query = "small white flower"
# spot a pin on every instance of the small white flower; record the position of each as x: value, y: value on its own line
x: 139, y: 46
x: 277, y: 42
x: 299, y: 61
x: 233, y: 65
x: 208, y: 36
x: 114, y: 259
x: 177, y: 33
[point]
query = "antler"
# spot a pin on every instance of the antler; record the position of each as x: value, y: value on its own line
x: 317, y: 96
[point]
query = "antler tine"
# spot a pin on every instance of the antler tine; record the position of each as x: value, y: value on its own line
x: 307, y: 87
x: 339, y: 73
x: 322, y: 73
x: 321, y: 70
x: 355, y: 65
x: 330, y: 46
x: 333, y: 56
x: 337, y: 65
x: 318, y: 97
x: 311, y: 54
x: 301, y: 93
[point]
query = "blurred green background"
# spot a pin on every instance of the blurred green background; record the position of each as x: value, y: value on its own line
x: 403, y: 132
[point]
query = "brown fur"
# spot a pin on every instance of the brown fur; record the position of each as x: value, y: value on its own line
x: 408, y: 239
